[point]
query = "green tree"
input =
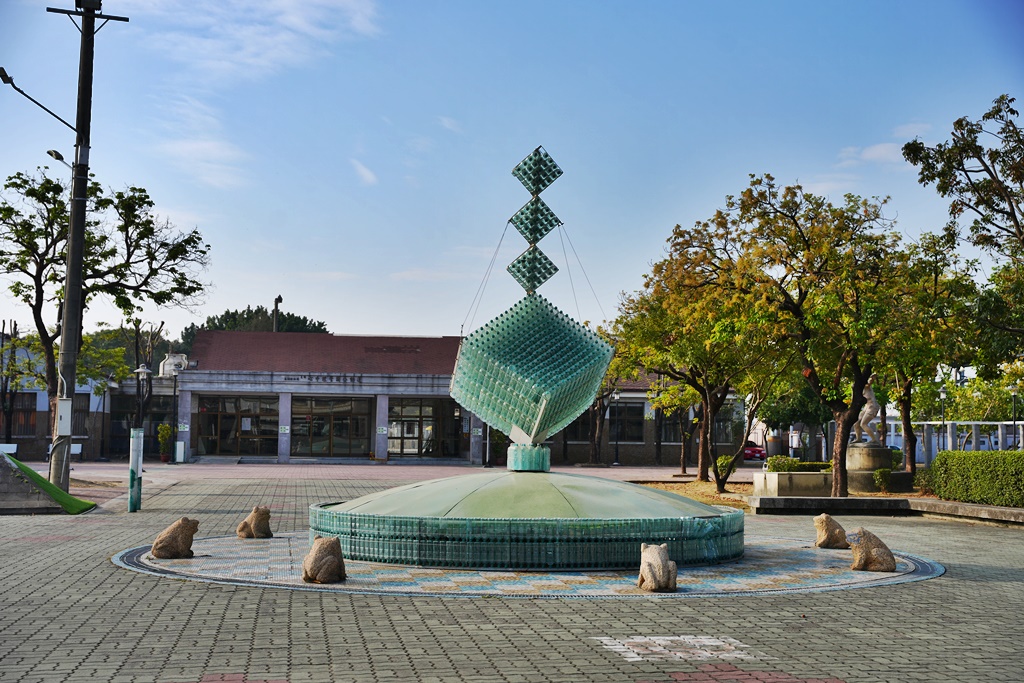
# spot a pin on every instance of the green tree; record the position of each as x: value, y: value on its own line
x: 131, y: 256
x: 983, y: 181
x: 818, y: 277
x: 980, y: 169
x: 934, y: 324
x: 695, y: 339
x: 257, y: 319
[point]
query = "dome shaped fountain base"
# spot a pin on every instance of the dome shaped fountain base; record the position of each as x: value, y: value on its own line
x: 528, y: 521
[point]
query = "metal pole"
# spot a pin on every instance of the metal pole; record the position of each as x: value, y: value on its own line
x: 618, y: 430
x: 71, y: 323
x: 135, y: 471
x: 487, y: 448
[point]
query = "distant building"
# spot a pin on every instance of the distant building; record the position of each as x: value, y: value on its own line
x: 286, y: 397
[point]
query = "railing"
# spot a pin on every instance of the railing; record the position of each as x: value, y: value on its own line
x: 935, y: 436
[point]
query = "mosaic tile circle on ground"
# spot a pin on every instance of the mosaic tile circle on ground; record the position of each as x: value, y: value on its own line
x: 769, y: 566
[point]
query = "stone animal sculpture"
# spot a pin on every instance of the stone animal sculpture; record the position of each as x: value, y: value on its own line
x: 175, y: 542
x: 830, y: 533
x: 256, y: 525
x: 324, y: 563
x: 657, y: 572
x: 869, y: 553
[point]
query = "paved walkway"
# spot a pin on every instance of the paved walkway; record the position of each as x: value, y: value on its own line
x: 68, y: 613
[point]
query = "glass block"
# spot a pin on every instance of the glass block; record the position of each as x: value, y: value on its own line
x: 537, y: 171
x: 532, y: 269
x: 535, y: 220
x: 531, y: 371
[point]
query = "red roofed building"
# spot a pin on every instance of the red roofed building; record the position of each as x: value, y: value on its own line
x: 281, y: 395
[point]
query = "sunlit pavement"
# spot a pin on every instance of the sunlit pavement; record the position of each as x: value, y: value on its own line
x: 68, y: 613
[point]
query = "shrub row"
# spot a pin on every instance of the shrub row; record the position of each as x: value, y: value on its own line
x: 782, y: 463
x: 985, y: 477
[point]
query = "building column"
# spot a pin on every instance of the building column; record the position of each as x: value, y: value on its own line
x: 476, y: 440
x: 184, y: 426
x: 380, y: 447
x: 284, y: 427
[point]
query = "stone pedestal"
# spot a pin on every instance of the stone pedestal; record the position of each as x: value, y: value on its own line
x: 862, y: 456
x: 861, y: 462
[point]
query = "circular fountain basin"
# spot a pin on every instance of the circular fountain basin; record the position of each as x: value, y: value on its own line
x: 528, y: 520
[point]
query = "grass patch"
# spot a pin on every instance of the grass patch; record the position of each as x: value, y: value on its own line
x: 705, y: 492
x: 71, y: 505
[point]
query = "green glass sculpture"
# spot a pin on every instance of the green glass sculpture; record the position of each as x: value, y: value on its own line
x: 532, y: 370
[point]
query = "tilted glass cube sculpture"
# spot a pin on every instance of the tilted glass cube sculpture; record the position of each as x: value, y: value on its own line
x: 531, y: 371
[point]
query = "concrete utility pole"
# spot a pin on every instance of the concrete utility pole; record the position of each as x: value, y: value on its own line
x: 71, y: 322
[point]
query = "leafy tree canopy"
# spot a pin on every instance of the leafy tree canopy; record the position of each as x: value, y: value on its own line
x: 131, y: 255
x: 257, y: 319
x: 981, y: 170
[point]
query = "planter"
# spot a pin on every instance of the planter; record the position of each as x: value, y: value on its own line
x: 799, y: 484
x: 165, y: 457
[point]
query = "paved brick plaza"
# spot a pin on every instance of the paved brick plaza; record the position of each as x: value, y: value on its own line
x: 67, y: 613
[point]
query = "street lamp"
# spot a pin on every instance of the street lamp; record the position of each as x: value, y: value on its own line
x: 137, y: 445
x: 618, y: 425
x: 59, y: 157
x: 942, y: 413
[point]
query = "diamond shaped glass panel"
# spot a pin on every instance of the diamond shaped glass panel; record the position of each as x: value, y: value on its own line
x: 535, y: 220
x: 532, y: 269
x: 531, y: 371
x: 537, y: 171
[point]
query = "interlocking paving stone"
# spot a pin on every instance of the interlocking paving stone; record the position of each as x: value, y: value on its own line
x: 64, y: 604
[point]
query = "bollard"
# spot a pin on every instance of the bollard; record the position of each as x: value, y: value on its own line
x: 135, y: 471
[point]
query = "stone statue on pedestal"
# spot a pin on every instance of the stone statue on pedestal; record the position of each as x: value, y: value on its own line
x: 867, y: 414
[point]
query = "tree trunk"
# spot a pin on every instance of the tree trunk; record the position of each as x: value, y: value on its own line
x: 704, y: 446
x: 844, y: 425
x: 596, y: 431
x: 909, y: 437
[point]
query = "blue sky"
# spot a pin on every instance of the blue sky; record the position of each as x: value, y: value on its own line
x: 355, y: 156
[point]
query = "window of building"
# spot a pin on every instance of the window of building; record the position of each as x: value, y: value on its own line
x: 80, y: 415
x: 237, y: 425
x: 626, y: 422
x: 672, y: 426
x: 579, y: 429
x: 23, y: 419
x: 326, y: 427
x: 423, y: 426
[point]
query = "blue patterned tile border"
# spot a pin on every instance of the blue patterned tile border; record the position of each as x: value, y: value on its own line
x: 769, y: 566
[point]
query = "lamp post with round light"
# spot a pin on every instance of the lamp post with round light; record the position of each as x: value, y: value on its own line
x: 138, y: 437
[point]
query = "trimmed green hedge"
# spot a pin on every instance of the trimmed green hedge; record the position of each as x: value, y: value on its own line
x: 985, y: 477
x: 782, y: 463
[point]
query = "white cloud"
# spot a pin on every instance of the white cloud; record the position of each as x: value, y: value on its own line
x: 911, y: 130
x: 239, y: 39
x: 221, y: 42
x: 426, y: 275
x: 882, y: 153
x: 831, y: 184
x: 366, y: 176
x: 212, y: 161
x: 449, y: 124
x: 326, y: 276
